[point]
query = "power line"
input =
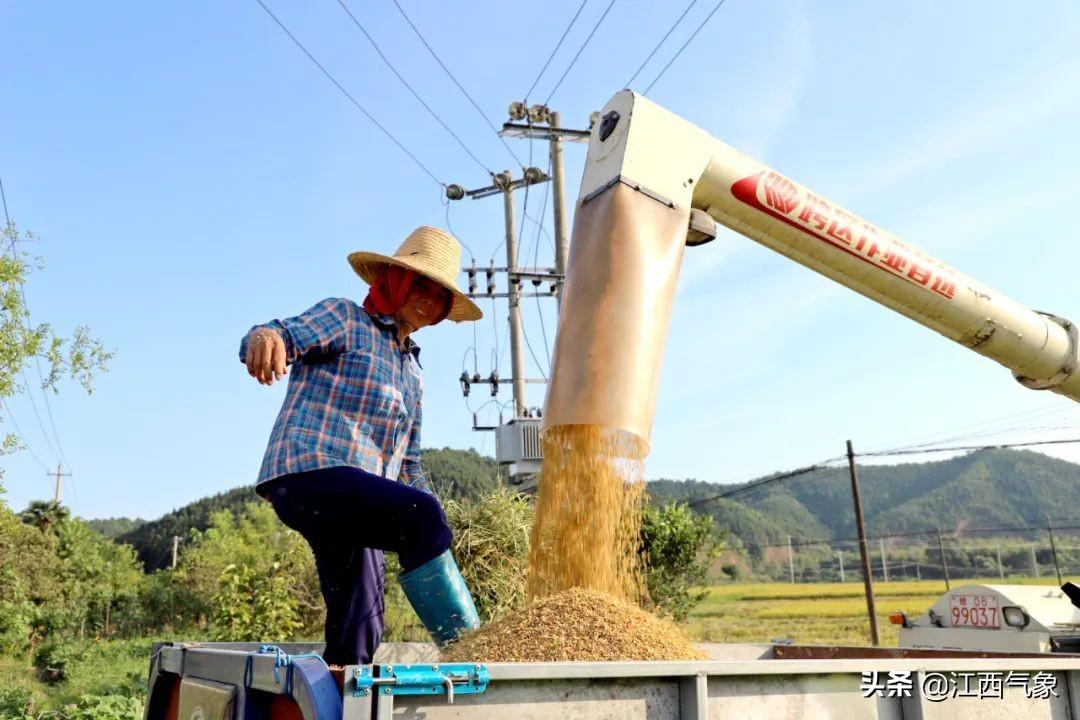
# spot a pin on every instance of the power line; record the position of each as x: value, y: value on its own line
x: 22, y: 437
x: 662, y: 41
x: 37, y: 360
x: 966, y: 448
x: 761, y: 483
x: 937, y: 436
x: 37, y: 415
x: 459, y: 85
x: 580, y: 50
x: 349, y: 95
x: 555, y: 50
x: 410, y: 88
x: 688, y: 41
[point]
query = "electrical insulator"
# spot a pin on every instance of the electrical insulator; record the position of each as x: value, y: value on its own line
x: 455, y: 192
x: 539, y: 413
x: 533, y: 175
x: 464, y: 379
x: 517, y: 110
x: 476, y: 379
x: 538, y: 114
x: 490, y: 272
x: 494, y: 380
x: 475, y: 424
x: 536, y: 282
x: 594, y: 117
x: 472, y: 278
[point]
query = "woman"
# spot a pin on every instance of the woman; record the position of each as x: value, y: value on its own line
x: 342, y: 467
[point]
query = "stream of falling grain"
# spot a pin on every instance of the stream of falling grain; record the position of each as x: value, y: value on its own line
x: 587, y: 527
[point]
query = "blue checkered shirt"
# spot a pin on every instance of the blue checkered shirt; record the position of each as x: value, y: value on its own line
x: 353, y: 397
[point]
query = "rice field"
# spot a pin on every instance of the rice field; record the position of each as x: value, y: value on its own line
x: 815, y: 613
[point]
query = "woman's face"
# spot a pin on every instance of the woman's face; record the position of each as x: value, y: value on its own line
x: 427, y: 301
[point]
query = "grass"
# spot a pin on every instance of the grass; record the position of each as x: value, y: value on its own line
x: 810, y: 613
x: 96, y: 668
x: 815, y: 613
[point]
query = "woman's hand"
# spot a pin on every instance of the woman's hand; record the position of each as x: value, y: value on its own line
x: 265, y: 356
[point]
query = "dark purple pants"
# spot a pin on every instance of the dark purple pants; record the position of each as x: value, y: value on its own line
x: 349, y: 517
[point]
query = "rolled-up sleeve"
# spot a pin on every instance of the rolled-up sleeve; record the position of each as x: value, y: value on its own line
x: 323, y: 329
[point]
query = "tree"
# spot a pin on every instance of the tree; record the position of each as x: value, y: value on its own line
x: 45, y: 515
x: 254, y: 578
x: 22, y: 341
x: 679, y: 547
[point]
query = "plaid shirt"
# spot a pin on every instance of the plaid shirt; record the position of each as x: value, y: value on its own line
x: 353, y: 397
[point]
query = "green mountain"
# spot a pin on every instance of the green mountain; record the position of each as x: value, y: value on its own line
x: 113, y: 528
x: 460, y: 474
x: 988, y: 488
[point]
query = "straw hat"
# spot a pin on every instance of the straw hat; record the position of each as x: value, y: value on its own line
x: 432, y: 252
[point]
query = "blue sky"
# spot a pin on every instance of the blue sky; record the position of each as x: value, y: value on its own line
x: 190, y: 173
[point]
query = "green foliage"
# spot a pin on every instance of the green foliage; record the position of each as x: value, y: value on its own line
x: 16, y: 702
x: 251, y: 605
x: 253, y: 577
x: 679, y: 547
x: 104, y: 707
x: 491, y: 546
x: 153, y: 540
x: 22, y: 341
x: 455, y: 474
x: 45, y: 515
x: 460, y: 474
x: 53, y: 661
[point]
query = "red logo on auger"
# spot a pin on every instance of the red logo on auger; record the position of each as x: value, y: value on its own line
x: 781, y: 193
x: 776, y: 196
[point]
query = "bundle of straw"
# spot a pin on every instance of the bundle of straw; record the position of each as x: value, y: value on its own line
x: 491, y: 545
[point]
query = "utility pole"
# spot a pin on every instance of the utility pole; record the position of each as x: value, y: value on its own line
x: 791, y: 559
x: 1001, y: 568
x: 175, y: 549
x: 558, y: 204
x: 884, y: 562
x: 517, y: 341
x: 918, y: 571
x: 511, y: 438
x: 1034, y: 562
x: 536, y: 117
x: 944, y: 562
x: 840, y: 559
x: 1053, y: 549
x: 864, y: 555
x: 57, y: 475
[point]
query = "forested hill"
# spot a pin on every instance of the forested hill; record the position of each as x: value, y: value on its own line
x: 988, y: 488
x: 455, y: 474
x: 984, y: 489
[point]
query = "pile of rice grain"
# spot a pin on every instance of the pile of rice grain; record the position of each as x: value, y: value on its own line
x: 575, y: 624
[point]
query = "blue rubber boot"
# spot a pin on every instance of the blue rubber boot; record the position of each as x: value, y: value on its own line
x: 440, y: 598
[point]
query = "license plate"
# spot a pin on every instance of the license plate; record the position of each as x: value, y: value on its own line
x: 979, y: 611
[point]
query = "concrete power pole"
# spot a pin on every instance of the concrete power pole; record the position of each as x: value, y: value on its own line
x: 791, y: 559
x: 57, y: 475
x: 175, y: 549
x: 562, y: 238
x: 840, y: 558
x: 884, y: 562
x: 1001, y: 568
x: 517, y: 341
